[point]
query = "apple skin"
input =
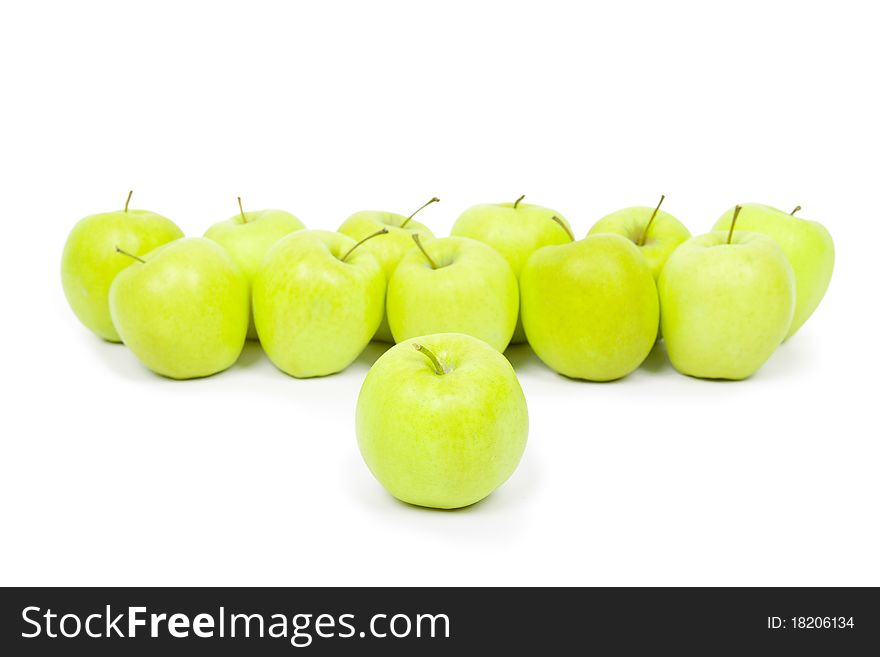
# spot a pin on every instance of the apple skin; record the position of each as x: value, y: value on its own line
x: 725, y: 307
x: 315, y: 313
x: 184, y: 312
x: 442, y: 441
x: 515, y: 232
x: 90, y: 261
x: 807, y: 245
x: 590, y: 308
x: 389, y: 250
x: 472, y: 291
x: 664, y: 236
x: 248, y: 239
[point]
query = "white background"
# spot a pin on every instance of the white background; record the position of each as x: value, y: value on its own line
x: 111, y: 475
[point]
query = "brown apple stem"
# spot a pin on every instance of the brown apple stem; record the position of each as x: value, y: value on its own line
x: 433, y: 200
x: 564, y: 226
x: 438, y: 368
x: 516, y: 202
x: 419, y: 244
x: 130, y: 192
x: 796, y: 209
x: 736, y: 212
x: 241, y: 209
x: 130, y: 255
x: 644, y: 234
x: 368, y: 237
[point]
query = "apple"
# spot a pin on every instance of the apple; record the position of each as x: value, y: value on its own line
x: 728, y: 299
x: 590, y: 308
x: 248, y: 236
x: 655, y: 232
x: 516, y: 230
x: 182, y: 308
x: 442, y: 420
x: 806, y: 244
x: 453, y: 285
x: 389, y: 250
x: 90, y: 261
x: 317, y: 300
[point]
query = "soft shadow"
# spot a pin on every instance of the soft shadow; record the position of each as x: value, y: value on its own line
x: 656, y: 360
x: 118, y: 358
x: 519, y: 355
x: 373, y: 352
x: 251, y: 354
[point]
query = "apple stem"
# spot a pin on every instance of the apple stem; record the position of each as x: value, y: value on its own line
x: 130, y: 192
x: 433, y: 200
x: 130, y: 255
x: 368, y: 237
x: 796, y: 209
x: 438, y: 368
x: 516, y: 202
x: 419, y: 244
x: 644, y: 234
x: 241, y: 209
x: 736, y: 212
x: 564, y: 226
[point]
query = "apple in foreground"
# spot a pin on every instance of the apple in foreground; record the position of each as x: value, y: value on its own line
x: 655, y: 232
x: 90, y: 261
x: 389, y: 250
x: 516, y: 230
x: 182, y: 308
x: 318, y: 299
x: 807, y: 245
x: 453, y: 285
x: 442, y: 420
x: 728, y: 299
x: 248, y: 236
x: 590, y: 308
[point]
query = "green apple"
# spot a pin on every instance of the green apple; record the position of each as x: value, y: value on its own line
x: 590, y: 308
x: 806, y: 244
x: 453, y: 285
x: 516, y: 230
x: 248, y: 236
x: 389, y: 250
x: 655, y: 232
x: 318, y: 300
x: 728, y: 300
x: 90, y: 261
x: 182, y: 308
x: 442, y: 420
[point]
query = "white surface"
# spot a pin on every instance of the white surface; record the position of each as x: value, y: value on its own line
x: 111, y: 475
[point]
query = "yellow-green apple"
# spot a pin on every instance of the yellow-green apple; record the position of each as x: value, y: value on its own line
x: 727, y: 299
x: 182, y: 308
x: 806, y: 244
x: 590, y: 308
x: 248, y: 236
x: 90, y: 261
x: 441, y: 420
x: 655, y: 232
x: 453, y: 285
x: 318, y: 300
x: 516, y: 230
x: 389, y: 250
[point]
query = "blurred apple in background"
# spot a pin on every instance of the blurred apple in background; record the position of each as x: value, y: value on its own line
x: 389, y: 250
x: 516, y: 230
x: 442, y: 420
x: 182, y: 308
x: 90, y: 261
x: 248, y: 236
x: 318, y: 298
